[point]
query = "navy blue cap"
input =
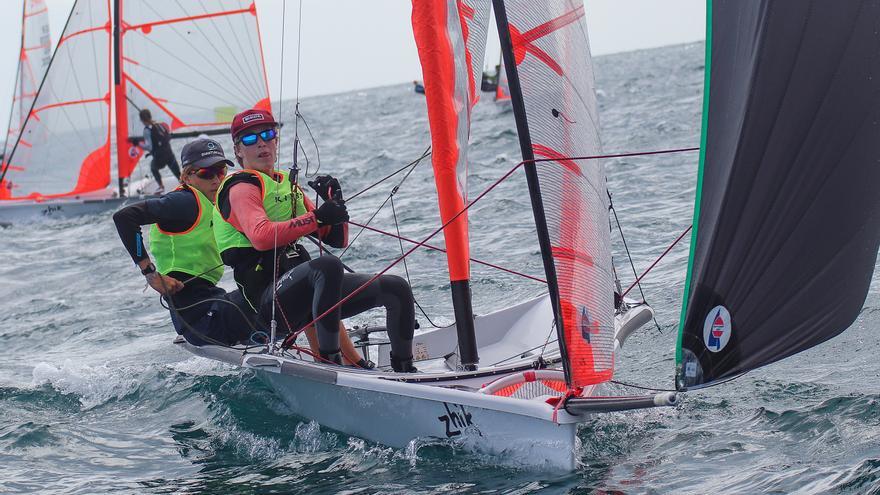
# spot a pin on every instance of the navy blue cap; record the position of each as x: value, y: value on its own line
x: 203, y: 153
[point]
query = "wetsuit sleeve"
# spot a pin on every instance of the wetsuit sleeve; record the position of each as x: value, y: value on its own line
x: 177, y: 211
x: 148, y: 139
x: 334, y: 235
x: 249, y: 217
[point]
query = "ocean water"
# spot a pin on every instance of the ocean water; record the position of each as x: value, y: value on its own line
x: 94, y: 398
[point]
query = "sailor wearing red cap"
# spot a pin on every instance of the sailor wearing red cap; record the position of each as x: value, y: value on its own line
x: 261, y: 214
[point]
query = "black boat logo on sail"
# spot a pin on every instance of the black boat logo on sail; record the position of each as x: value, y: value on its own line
x: 717, y: 329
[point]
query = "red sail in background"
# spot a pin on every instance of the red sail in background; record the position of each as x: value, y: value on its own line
x: 451, y: 38
x: 63, y: 148
x: 194, y: 65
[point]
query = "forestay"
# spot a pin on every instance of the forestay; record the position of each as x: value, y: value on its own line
x: 547, y: 57
x: 63, y: 148
x: 787, y: 216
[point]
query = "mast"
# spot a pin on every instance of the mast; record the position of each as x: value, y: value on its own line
x: 451, y: 38
x: 525, y: 143
x: 119, y: 96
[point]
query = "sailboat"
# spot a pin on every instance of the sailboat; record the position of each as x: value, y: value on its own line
x: 34, y: 55
x: 785, y: 237
x: 114, y: 58
x: 502, y: 89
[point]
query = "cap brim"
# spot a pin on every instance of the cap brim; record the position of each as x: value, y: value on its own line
x: 209, y: 161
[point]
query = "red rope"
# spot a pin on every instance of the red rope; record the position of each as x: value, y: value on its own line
x: 422, y: 243
x: 398, y: 260
x: 436, y: 248
x: 656, y: 261
x: 617, y: 155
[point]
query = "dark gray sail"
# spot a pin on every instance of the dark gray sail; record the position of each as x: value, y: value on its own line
x: 787, y: 216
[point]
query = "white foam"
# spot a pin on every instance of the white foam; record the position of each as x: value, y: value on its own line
x: 94, y: 385
x: 203, y: 367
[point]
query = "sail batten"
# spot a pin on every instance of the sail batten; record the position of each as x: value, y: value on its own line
x: 787, y: 224
x: 218, y: 71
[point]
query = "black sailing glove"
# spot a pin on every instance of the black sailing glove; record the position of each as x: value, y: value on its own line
x: 327, y: 187
x: 332, y: 213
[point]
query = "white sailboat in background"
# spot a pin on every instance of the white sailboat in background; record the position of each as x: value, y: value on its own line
x: 114, y: 58
x: 34, y: 56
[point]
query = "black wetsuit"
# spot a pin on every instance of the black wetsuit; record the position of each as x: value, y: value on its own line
x: 162, y: 154
x: 177, y: 211
x: 307, y: 288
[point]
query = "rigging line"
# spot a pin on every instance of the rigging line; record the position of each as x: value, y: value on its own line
x: 401, y: 169
x: 629, y: 257
x: 298, y: 66
x: 642, y: 387
x: 405, y: 267
x: 317, y: 150
x: 614, y: 155
x: 316, y: 243
x: 639, y: 279
x: 273, y: 323
x: 413, y: 249
x: 520, y: 353
x: 364, y: 226
x: 437, y: 248
x: 392, y: 193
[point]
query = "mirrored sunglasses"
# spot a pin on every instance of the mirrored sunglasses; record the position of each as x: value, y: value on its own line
x: 211, y: 172
x: 251, y: 139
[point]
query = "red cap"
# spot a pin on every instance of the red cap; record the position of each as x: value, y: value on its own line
x: 250, y: 119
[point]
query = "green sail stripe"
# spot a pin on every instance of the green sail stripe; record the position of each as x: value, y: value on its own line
x: 699, y: 194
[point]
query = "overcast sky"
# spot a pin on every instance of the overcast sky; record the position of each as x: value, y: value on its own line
x: 354, y: 44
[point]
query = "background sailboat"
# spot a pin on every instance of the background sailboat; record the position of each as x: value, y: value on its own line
x: 112, y: 59
x: 33, y: 60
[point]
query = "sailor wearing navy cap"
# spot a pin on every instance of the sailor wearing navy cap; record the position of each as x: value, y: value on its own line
x: 187, y: 262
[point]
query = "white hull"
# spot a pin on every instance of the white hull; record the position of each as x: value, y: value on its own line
x: 23, y: 211
x: 395, y: 414
x: 439, y: 402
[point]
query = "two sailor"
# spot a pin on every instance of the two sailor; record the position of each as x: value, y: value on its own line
x: 259, y: 216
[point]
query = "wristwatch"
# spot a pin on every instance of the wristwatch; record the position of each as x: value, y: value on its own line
x: 151, y: 268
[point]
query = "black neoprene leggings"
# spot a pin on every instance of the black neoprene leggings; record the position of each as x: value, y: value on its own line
x: 160, y: 161
x: 310, y: 289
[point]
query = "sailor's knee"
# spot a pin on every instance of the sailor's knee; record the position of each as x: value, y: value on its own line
x: 328, y: 265
x: 397, y: 287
